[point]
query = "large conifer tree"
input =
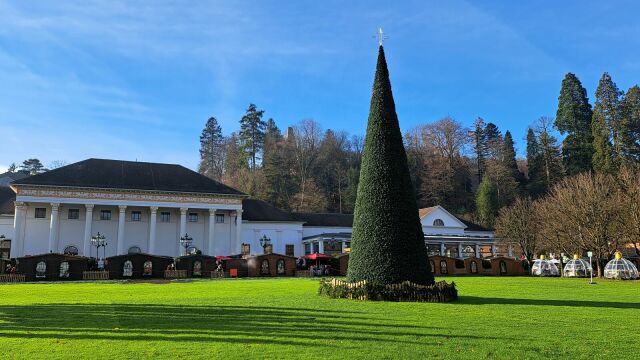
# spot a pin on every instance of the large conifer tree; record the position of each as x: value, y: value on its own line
x: 630, y: 140
x: 606, y: 126
x: 387, y: 244
x: 212, y: 154
x: 574, y: 119
x: 535, y: 184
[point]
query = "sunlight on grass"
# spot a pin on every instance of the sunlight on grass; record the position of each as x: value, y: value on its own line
x: 495, y: 318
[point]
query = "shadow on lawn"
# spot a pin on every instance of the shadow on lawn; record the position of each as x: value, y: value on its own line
x: 223, y: 324
x: 476, y: 300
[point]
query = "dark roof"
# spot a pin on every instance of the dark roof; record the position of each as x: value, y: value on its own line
x: 258, y: 210
x: 7, y: 197
x: 472, y: 226
x: 132, y: 175
x: 8, y: 177
x: 342, y: 220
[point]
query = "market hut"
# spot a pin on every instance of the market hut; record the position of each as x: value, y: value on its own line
x: 577, y: 268
x: 137, y: 266
x: 544, y: 267
x: 197, y: 265
x: 52, y: 267
x: 620, y: 268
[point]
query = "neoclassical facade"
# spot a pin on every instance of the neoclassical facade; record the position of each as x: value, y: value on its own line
x: 148, y: 207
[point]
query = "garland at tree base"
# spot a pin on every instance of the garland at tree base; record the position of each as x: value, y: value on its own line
x: 405, y: 291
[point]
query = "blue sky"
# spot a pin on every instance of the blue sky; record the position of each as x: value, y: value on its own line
x: 137, y: 80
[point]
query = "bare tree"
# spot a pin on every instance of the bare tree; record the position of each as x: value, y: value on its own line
x: 518, y: 224
x: 306, y: 141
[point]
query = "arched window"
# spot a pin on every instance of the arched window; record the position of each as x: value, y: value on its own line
x: 280, y: 267
x: 438, y: 222
x: 134, y: 250
x: 41, y: 270
x: 264, y: 267
x: 443, y: 267
x: 468, y: 251
x: 503, y: 267
x: 64, y: 270
x: 433, y: 266
x: 474, y: 267
x: 147, y: 268
x: 197, y: 268
x: 70, y: 250
x: 127, y: 269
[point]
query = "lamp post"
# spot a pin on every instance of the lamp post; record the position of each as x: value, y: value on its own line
x: 561, y: 264
x: 186, y: 241
x: 264, y: 242
x: 590, y: 254
x: 99, y: 241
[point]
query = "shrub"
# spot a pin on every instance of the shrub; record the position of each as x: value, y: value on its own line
x: 405, y: 291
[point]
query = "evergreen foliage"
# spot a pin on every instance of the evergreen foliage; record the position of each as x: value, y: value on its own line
x: 535, y: 182
x: 486, y: 203
x: 252, y: 132
x: 387, y: 243
x: 480, y: 146
x: 606, y: 126
x: 573, y: 118
x: 509, y: 158
x: 211, y: 150
x: 630, y: 113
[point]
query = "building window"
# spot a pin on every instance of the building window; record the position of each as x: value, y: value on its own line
x: 136, y: 216
x: 105, y: 214
x: 433, y: 266
x: 41, y: 213
x: 288, y: 250
x: 165, y: 217
x: 193, y: 217
x: 438, y: 222
x: 74, y: 214
x: 474, y: 267
x: 264, y: 268
x: 307, y: 249
x: 220, y: 219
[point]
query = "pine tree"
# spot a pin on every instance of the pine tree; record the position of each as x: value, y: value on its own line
x: 606, y: 126
x: 12, y: 168
x: 32, y: 166
x: 252, y: 130
x: 573, y: 118
x: 509, y: 158
x: 551, y: 154
x: 494, y: 141
x: 387, y: 243
x: 630, y: 139
x: 535, y: 183
x: 480, y: 146
x: 486, y: 203
x: 212, y: 150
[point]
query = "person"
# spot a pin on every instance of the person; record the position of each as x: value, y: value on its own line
x: 13, y: 270
x: 7, y: 268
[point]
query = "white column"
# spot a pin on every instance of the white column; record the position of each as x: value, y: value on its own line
x: 460, y: 250
x: 236, y: 248
x: 212, y: 233
x: 443, y: 249
x: 493, y: 250
x: 53, y: 227
x: 152, y: 229
x: 477, y: 250
x: 510, y: 250
x: 321, y: 246
x: 88, y: 220
x: 183, y: 227
x: 17, y: 245
x: 121, y: 222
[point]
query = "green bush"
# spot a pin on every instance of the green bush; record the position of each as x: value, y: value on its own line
x: 405, y: 291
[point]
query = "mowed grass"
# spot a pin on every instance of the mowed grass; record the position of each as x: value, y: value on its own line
x: 496, y: 317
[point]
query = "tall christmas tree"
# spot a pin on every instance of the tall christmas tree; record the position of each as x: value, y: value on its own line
x: 387, y: 243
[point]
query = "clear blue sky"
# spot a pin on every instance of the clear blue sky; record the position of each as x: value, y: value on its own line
x: 137, y: 80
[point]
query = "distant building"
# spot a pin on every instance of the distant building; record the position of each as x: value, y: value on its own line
x: 147, y: 207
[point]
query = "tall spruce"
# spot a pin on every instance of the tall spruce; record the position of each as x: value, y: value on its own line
x: 480, y: 146
x: 388, y: 243
x: 551, y: 153
x: 252, y: 130
x: 494, y: 141
x: 509, y: 158
x: 535, y: 183
x: 573, y: 118
x: 212, y: 153
x: 630, y: 140
x: 606, y: 126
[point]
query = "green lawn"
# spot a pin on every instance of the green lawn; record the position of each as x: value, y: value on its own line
x: 496, y: 317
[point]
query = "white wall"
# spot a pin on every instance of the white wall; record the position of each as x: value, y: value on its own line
x: 6, y: 226
x: 280, y: 233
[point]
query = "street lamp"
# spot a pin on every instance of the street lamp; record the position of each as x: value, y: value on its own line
x: 264, y: 242
x: 186, y: 241
x: 99, y: 241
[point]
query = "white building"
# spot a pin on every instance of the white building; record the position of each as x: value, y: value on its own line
x: 147, y: 207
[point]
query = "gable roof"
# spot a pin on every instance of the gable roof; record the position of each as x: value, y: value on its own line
x: 468, y: 225
x: 129, y: 175
x: 8, y: 177
x: 425, y: 211
x: 471, y: 226
x: 258, y: 210
x: 325, y: 219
